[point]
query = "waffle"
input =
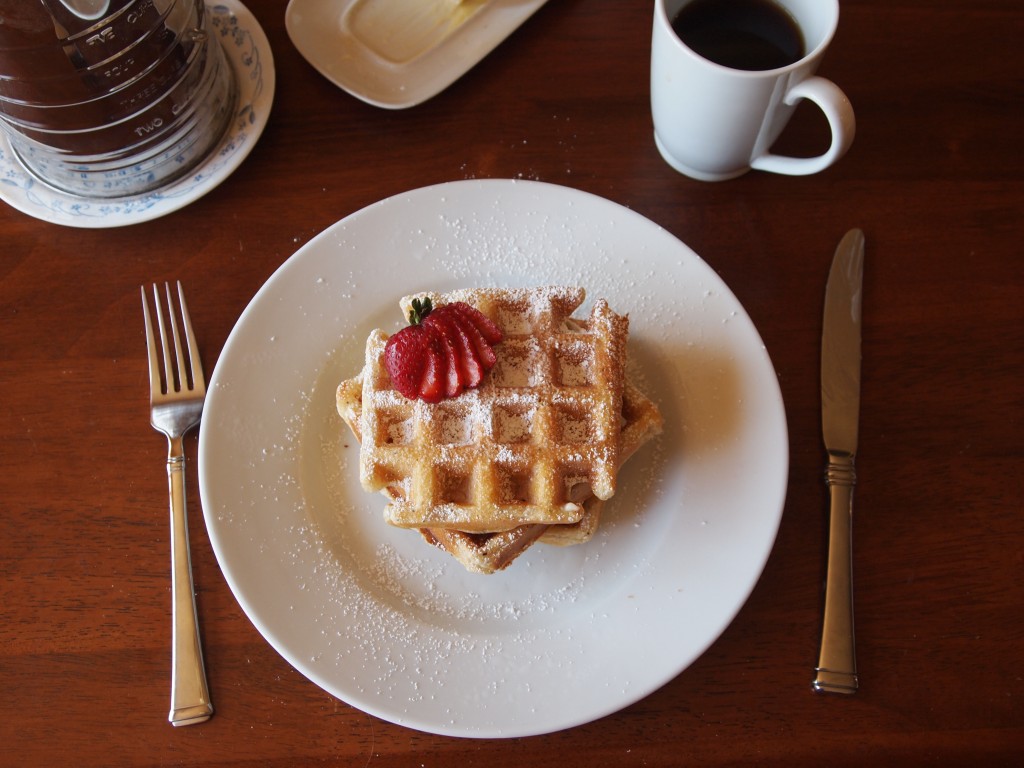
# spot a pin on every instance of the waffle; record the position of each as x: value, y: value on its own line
x: 529, y: 445
x: 490, y: 552
x: 641, y: 421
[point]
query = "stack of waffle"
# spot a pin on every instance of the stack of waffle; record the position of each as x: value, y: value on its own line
x: 530, y: 454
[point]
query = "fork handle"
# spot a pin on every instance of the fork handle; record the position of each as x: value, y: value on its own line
x: 190, y: 697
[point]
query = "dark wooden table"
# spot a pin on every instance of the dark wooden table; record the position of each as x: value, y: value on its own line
x: 936, y: 180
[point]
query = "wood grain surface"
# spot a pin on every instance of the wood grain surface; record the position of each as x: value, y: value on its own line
x: 935, y: 178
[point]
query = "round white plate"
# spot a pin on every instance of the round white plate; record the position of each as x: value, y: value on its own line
x: 248, y: 52
x: 397, y: 628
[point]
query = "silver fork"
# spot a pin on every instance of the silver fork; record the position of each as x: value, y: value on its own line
x: 176, y: 393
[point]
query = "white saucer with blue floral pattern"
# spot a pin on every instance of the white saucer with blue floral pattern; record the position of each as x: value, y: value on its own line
x: 249, y: 53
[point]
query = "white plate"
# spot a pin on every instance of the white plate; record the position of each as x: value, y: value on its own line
x: 397, y: 628
x: 249, y: 53
x: 394, y: 54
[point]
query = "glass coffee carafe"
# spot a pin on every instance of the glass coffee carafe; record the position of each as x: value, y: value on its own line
x: 111, y: 98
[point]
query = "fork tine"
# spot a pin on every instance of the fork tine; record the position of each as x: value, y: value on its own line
x: 198, y: 379
x: 168, y: 363
x: 154, y: 363
x: 180, y: 375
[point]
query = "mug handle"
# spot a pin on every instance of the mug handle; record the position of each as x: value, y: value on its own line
x: 839, y: 112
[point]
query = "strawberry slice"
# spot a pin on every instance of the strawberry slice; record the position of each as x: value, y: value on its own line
x: 454, y: 381
x: 480, y: 321
x: 484, y: 352
x: 471, y: 371
x: 405, y: 357
x: 433, y: 385
x: 475, y: 325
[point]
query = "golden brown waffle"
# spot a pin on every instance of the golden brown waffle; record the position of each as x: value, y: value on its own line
x: 641, y: 421
x: 536, y: 438
x: 490, y: 552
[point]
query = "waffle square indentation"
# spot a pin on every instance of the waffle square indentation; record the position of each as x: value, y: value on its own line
x: 574, y: 363
x: 452, y: 425
x: 513, y: 485
x: 514, y: 319
x: 395, y: 426
x: 511, y: 424
x: 573, y: 426
x: 516, y: 365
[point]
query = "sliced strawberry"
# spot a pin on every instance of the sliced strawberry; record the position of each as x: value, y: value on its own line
x: 484, y: 351
x: 443, y: 352
x: 472, y: 372
x: 480, y: 321
x: 435, y: 371
x: 472, y: 367
x: 454, y: 382
x: 405, y: 357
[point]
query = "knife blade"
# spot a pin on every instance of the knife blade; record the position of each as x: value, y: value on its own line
x: 840, y: 414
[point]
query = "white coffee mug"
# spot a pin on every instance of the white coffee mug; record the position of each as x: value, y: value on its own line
x: 714, y: 123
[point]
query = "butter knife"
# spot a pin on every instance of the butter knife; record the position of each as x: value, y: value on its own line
x: 840, y: 410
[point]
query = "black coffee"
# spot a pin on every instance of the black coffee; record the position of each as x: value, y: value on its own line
x: 740, y: 34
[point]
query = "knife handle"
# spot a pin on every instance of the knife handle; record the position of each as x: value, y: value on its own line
x: 837, y: 664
